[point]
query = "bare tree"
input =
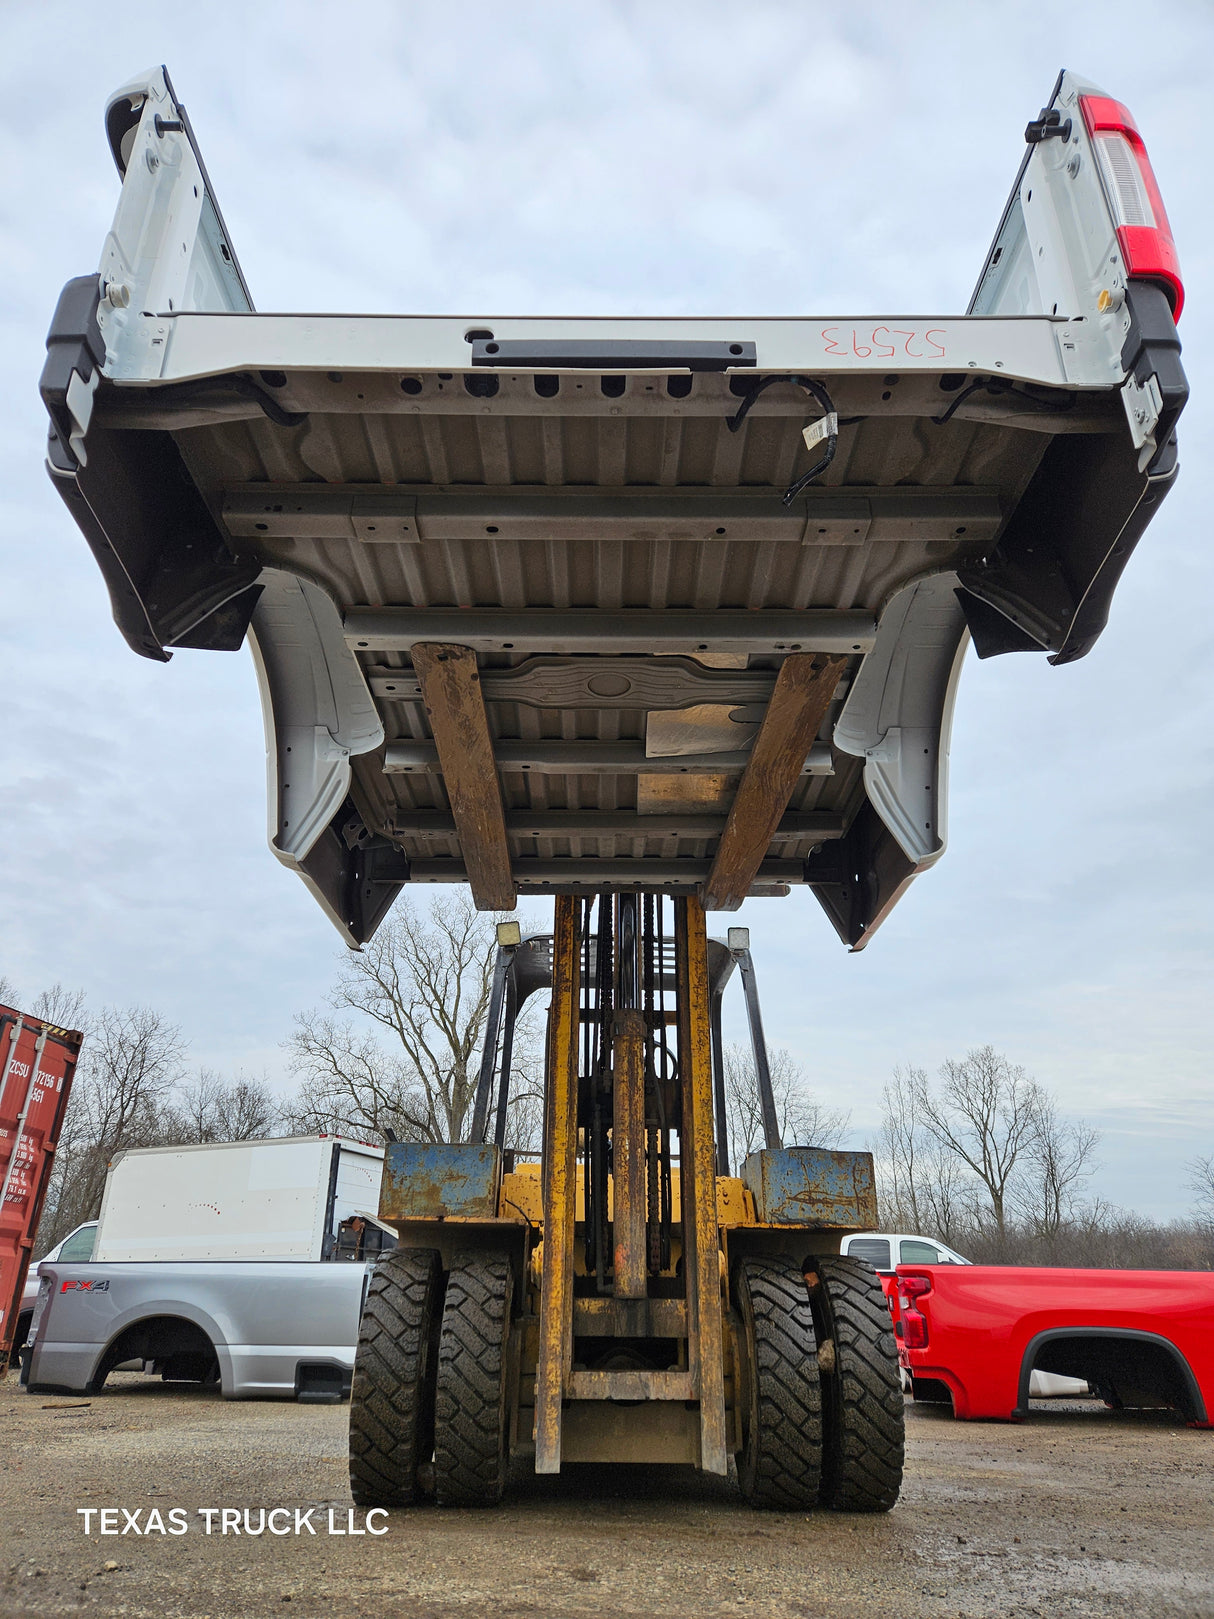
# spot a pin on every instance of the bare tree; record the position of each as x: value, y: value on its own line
x: 921, y: 1186
x: 803, y: 1120
x: 1059, y: 1157
x: 58, y: 1005
x: 348, y: 1084
x: 1200, y: 1174
x: 900, y: 1152
x: 61, y: 1006
x: 984, y: 1112
x: 423, y: 984
x: 129, y: 1065
x: 206, y: 1108
x: 524, y: 1114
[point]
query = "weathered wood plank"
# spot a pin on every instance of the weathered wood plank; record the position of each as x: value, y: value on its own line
x: 451, y: 691
x: 798, y: 705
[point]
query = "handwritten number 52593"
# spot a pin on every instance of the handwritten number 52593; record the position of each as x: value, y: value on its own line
x: 884, y: 342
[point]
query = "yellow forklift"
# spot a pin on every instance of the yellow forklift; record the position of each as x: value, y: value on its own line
x: 647, y: 617
x: 626, y: 1299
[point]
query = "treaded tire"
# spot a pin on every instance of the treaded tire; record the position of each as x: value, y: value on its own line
x: 862, y: 1409
x: 392, y: 1392
x: 779, y: 1465
x: 470, y: 1443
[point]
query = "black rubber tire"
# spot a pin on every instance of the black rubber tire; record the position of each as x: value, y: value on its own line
x: 779, y: 1465
x: 862, y: 1407
x: 470, y: 1423
x: 392, y: 1391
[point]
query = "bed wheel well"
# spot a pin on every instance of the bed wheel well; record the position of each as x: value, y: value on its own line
x: 1126, y: 1368
x: 178, y: 1349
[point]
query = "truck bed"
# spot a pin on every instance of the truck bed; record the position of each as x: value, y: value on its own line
x: 1137, y: 1338
x: 278, y: 1328
x: 549, y: 605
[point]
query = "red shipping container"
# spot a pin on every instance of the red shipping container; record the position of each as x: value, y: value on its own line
x: 37, y: 1063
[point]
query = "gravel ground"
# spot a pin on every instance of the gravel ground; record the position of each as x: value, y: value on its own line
x: 1080, y: 1511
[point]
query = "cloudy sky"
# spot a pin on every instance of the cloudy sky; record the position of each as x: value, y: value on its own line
x: 597, y: 158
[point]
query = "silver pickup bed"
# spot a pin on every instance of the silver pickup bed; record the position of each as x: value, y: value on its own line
x: 276, y: 1328
x: 547, y: 605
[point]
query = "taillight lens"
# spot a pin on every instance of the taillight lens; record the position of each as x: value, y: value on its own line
x: 45, y: 1288
x: 914, y: 1322
x: 1143, y: 232
x: 1123, y: 180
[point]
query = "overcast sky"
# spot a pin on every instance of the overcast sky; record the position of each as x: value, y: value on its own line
x: 581, y: 157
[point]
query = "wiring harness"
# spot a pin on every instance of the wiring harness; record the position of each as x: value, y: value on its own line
x: 825, y: 429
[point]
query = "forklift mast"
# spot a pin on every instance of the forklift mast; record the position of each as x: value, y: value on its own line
x: 628, y: 1297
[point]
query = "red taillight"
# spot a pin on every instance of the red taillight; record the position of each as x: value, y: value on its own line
x: 1133, y: 195
x: 913, y: 1322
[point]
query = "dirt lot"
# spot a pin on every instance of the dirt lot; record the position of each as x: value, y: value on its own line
x: 1080, y: 1511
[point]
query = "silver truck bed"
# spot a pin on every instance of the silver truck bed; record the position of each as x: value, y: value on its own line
x: 278, y: 1328
x: 530, y: 605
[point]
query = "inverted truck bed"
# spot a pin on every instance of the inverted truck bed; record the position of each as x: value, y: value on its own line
x: 550, y: 605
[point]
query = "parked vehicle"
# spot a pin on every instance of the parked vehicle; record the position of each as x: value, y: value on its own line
x: 980, y: 1332
x: 215, y: 1264
x: 886, y: 1250
x: 37, y: 1064
x: 279, y: 1199
x: 281, y: 1328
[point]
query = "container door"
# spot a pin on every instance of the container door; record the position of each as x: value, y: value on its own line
x: 37, y: 1062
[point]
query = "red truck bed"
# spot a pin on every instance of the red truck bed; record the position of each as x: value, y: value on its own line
x: 1138, y: 1338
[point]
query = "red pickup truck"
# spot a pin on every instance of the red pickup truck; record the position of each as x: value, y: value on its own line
x: 1137, y: 1338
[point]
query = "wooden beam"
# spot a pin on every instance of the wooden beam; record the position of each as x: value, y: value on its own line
x: 798, y: 705
x: 451, y: 692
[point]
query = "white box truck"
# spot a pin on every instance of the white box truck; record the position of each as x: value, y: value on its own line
x: 281, y: 1199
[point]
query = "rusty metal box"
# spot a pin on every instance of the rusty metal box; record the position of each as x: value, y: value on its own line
x: 812, y: 1187
x: 426, y: 1181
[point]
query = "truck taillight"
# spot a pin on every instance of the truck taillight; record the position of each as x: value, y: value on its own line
x: 914, y: 1322
x: 45, y: 1288
x: 1142, y: 225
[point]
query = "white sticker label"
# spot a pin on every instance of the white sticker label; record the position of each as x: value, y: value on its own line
x: 825, y: 427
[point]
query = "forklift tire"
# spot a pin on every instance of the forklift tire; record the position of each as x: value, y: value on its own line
x: 470, y: 1428
x: 779, y: 1465
x: 862, y: 1409
x: 392, y: 1392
